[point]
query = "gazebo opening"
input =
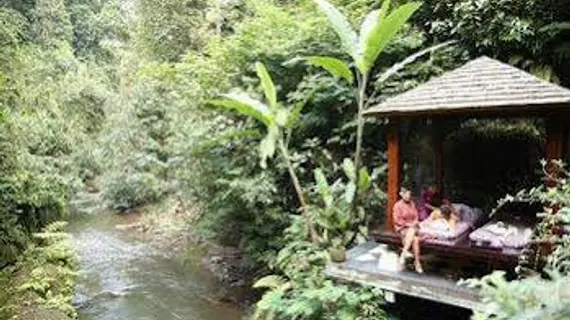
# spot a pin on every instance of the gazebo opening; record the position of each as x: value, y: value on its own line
x: 475, y: 161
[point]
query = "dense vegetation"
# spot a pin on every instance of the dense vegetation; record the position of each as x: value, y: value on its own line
x: 40, y: 284
x: 114, y: 98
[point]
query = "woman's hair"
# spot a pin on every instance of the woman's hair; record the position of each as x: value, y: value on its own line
x: 446, y: 211
x: 403, y: 190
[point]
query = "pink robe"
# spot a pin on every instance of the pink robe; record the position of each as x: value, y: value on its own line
x: 405, y: 215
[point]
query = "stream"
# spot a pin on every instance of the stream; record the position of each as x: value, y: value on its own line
x: 121, y: 277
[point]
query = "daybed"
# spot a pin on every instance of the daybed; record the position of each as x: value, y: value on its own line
x: 469, y: 219
x: 509, y: 231
x: 501, y: 235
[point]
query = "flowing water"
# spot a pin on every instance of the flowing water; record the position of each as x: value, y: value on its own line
x: 125, y: 278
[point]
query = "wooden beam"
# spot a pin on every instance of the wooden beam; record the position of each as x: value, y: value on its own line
x: 394, y: 173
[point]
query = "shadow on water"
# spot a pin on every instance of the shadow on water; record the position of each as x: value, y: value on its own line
x: 124, y: 278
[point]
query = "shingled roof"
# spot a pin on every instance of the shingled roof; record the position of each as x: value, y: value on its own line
x: 481, y: 86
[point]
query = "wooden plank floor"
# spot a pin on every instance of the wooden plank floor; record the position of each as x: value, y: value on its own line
x: 409, y: 283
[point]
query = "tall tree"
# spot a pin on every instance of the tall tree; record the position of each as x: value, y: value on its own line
x: 51, y: 23
x: 168, y: 29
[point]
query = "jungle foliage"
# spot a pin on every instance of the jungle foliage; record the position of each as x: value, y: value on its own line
x: 40, y: 285
x: 51, y: 103
x: 114, y: 98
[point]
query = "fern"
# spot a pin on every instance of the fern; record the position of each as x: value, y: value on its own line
x: 45, y: 274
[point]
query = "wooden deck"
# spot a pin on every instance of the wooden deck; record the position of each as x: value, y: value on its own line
x: 423, y: 286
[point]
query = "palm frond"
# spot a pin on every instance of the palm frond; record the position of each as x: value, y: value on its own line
x: 341, y: 26
x: 242, y: 103
x: 267, y: 84
x: 334, y: 66
x: 378, y: 29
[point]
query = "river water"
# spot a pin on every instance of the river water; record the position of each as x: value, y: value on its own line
x: 124, y: 278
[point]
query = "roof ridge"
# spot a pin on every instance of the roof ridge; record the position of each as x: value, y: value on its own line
x: 526, y: 73
x: 476, y: 85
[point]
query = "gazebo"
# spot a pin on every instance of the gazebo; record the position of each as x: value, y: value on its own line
x: 482, y: 88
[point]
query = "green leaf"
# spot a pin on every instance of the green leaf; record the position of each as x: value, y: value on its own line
x: 243, y: 104
x: 267, y: 145
x: 360, y: 213
x: 282, y: 117
x: 341, y: 26
x: 542, y: 71
x: 325, y: 237
x: 349, y: 192
x: 348, y: 168
x: 360, y: 239
x: 273, y: 282
x: 363, y: 179
x: 348, y: 236
x: 267, y: 84
x: 324, y: 223
x: 378, y: 29
x: 334, y: 66
x: 556, y: 26
x: 267, y: 306
x: 363, y: 230
x: 323, y: 187
x: 383, y: 12
x: 295, y: 112
x: 368, y: 24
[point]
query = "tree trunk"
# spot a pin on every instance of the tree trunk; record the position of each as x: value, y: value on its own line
x: 359, y: 132
x: 304, y: 207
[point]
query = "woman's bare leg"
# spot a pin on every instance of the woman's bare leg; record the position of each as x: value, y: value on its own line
x: 417, y: 254
x: 407, y: 242
x: 408, y: 239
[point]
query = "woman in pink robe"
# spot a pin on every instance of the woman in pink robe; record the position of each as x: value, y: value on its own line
x: 406, y: 223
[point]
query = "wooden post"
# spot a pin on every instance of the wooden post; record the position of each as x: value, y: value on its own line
x: 555, y: 139
x: 394, y: 173
x: 556, y: 136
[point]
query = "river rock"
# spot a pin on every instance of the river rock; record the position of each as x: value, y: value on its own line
x: 130, y: 226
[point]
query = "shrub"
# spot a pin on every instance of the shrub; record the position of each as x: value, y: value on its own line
x: 32, y: 193
x: 41, y: 283
x: 302, y: 291
x: 132, y: 189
